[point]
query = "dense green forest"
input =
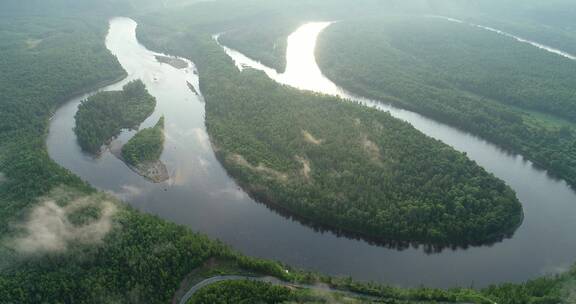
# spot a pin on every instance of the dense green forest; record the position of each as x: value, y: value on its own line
x: 512, y: 94
x: 544, y: 290
x: 50, y: 51
x: 341, y: 164
x: 141, y: 259
x: 44, y: 60
x: 103, y: 115
x: 557, y: 289
x: 248, y: 292
x: 547, y: 22
x: 146, y: 145
x: 528, y: 78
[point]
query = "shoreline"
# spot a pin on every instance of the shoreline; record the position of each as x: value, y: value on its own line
x: 156, y: 172
x: 430, y: 247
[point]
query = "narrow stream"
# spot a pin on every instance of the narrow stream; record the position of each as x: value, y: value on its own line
x: 519, y: 39
x: 201, y: 195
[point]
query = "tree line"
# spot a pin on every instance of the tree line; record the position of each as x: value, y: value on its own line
x: 516, y: 96
x: 146, y: 146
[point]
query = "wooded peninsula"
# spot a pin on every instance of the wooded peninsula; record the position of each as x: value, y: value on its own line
x: 340, y: 164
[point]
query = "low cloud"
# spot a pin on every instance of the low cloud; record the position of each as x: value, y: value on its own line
x: 230, y: 192
x: 553, y: 269
x: 127, y: 192
x: 199, y: 135
x: 49, y: 228
x: 202, y: 138
x: 204, y: 165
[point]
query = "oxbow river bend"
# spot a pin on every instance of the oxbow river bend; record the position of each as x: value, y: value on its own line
x: 200, y: 195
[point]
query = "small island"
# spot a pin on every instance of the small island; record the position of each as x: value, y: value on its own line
x: 173, y: 61
x: 102, y: 116
x: 142, y: 153
x: 191, y: 87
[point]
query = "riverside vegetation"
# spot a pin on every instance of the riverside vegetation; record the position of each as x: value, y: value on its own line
x: 245, y: 291
x: 52, y: 51
x: 103, y: 115
x: 242, y: 292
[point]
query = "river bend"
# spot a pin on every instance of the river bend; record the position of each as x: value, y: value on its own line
x: 202, y: 196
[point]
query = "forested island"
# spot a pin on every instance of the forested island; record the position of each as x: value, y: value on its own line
x: 173, y: 61
x: 103, y: 115
x: 343, y: 165
x: 142, y: 152
x: 513, y: 94
x: 191, y: 87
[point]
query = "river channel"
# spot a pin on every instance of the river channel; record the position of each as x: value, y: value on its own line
x: 200, y: 195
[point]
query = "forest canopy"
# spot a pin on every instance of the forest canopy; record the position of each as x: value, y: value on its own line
x: 341, y: 164
x: 103, y: 115
x: 146, y: 146
x: 514, y: 95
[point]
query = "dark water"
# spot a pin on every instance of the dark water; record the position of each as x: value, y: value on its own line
x: 201, y: 195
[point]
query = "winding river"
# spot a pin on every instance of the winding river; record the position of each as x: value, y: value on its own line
x: 200, y: 195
